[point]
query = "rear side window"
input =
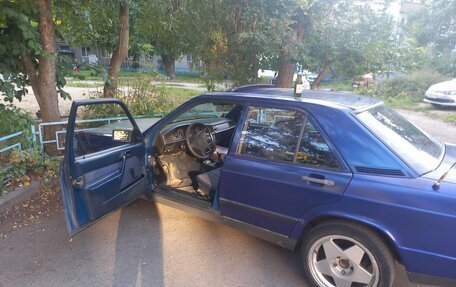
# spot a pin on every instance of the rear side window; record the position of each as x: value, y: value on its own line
x: 284, y: 135
x: 314, y: 151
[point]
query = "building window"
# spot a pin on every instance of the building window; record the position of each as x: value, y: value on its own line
x: 85, y: 51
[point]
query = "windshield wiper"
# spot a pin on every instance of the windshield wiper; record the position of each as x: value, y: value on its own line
x: 436, y: 185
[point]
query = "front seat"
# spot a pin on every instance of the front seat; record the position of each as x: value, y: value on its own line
x: 208, y: 182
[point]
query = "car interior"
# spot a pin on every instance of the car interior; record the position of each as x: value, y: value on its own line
x: 190, y: 150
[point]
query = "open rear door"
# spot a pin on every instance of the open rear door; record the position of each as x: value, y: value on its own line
x: 104, y: 163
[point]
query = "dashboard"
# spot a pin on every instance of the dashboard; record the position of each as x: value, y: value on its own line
x: 176, y: 135
x: 172, y: 137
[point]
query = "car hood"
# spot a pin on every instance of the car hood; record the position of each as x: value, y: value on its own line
x: 444, y: 86
x: 448, y: 160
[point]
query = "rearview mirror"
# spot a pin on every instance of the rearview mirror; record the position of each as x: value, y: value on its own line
x: 121, y: 135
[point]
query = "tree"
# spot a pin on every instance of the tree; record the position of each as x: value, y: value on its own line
x: 434, y: 28
x: 28, y: 55
x: 254, y: 37
x: 162, y: 23
x: 291, y: 41
x: 120, y: 52
x: 103, y: 24
x: 235, y: 38
x: 350, y: 40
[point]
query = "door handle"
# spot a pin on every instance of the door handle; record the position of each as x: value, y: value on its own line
x: 318, y: 180
x: 78, y: 181
x: 124, y: 163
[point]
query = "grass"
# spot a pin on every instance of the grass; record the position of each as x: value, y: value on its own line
x: 451, y: 118
x: 337, y: 86
x: 189, y: 78
x: 82, y: 84
x: 181, y: 94
x: 89, y: 75
x: 171, y: 85
x: 404, y: 103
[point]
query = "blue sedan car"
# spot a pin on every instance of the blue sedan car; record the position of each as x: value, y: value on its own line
x: 342, y: 179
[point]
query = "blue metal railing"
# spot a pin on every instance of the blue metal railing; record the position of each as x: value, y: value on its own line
x: 16, y: 145
x: 56, y: 141
x: 39, y: 136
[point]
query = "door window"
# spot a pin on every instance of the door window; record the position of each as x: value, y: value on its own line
x: 271, y: 133
x: 284, y: 135
x: 95, y: 126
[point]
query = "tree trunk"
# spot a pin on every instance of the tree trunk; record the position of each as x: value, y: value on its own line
x: 42, y: 74
x: 285, y: 73
x: 170, y: 66
x: 121, y: 51
x: 287, y: 65
x: 321, y: 75
x: 254, y: 70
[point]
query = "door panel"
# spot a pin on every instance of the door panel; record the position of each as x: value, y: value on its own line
x: 274, y: 195
x: 100, y: 175
x: 282, y: 167
x: 108, y: 186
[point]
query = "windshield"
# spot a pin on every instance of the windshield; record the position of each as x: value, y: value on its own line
x: 206, y: 110
x: 419, y: 151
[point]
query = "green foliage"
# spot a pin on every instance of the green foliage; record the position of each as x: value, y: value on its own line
x: 142, y: 98
x: 235, y: 38
x: 344, y: 85
x: 12, y: 120
x: 30, y: 162
x: 404, y: 91
x: 64, y: 67
x: 90, y: 22
x: 351, y: 39
x: 20, y: 39
x: 18, y: 35
x: 433, y: 28
x: 163, y: 23
x: 101, y: 111
x: 443, y: 61
x: 436, y: 23
x: 210, y: 84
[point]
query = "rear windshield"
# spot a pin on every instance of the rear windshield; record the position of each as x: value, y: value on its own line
x: 419, y: 151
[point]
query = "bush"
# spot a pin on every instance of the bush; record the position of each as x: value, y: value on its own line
x: 12, y: 120
x: 33, y: 162
x: 407, y: 88
x: 142, y: 97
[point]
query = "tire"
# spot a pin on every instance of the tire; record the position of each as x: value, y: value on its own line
x: 356, y: 254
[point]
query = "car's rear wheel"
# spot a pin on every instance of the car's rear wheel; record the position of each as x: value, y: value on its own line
x: 343, y: 254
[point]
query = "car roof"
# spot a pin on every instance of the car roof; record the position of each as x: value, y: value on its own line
x: 321, y: 97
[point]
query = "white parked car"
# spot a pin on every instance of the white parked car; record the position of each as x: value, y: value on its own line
x: 442, y: 94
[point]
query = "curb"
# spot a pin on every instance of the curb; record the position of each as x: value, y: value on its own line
x: 18, y: 195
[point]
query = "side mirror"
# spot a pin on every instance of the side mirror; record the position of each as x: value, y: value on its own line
x: 121, y: 136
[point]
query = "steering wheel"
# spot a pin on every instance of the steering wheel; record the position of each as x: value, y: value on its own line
x: 200, y: 140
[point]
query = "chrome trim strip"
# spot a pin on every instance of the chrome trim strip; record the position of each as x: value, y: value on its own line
x: 260, y: 210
